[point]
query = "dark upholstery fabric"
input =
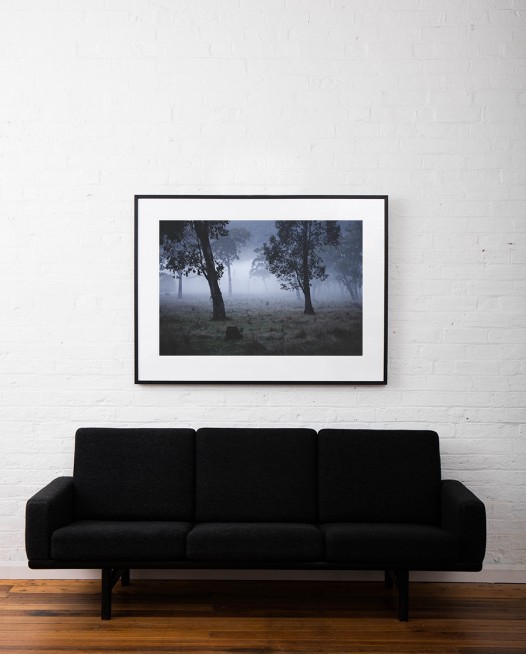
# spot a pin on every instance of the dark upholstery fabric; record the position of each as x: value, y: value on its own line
x: 47, y: 510
x: 374, y: 476
x: 465, y: 515
x: 252, y: 542
x: 99, y: 540
x: 256, y: 475
x: 392, y: 543
x: 134, y: 474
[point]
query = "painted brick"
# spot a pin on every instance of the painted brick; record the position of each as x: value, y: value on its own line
x: 103, y: 100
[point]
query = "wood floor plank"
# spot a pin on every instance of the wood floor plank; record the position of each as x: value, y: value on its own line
x: 261, y: 618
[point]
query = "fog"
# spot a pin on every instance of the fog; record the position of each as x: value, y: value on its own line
x: 245, y: 285
x: 242, y: 283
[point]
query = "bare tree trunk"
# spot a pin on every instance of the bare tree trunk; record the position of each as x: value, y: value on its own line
x: 309, y: 309
x: 180, y: 285
x: 229, y: 279
x: 218, y: 305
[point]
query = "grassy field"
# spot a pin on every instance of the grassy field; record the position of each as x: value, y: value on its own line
x: 267, y: 327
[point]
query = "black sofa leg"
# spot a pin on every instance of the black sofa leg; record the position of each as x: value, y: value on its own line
x: 105, y: 609
x: 109, y: 578
x: 400, y: 578
x: 403, y: 595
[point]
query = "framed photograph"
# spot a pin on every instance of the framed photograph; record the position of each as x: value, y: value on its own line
x: 261, y: 289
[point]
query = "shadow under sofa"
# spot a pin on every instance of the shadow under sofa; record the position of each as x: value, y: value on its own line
x: 255, y: 498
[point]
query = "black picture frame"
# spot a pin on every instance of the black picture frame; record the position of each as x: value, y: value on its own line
x: 162, y: 356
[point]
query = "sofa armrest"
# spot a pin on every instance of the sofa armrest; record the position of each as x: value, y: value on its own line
x: 464, y: 515
x: 47, y: 510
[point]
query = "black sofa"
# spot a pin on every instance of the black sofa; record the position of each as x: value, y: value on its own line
x: 340, y: 499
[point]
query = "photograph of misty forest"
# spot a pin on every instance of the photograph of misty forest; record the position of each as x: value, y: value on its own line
x: 260, y: 287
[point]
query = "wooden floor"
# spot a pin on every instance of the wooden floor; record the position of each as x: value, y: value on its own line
x: 255, y: 617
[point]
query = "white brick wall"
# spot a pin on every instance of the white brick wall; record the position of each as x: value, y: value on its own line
x: 422, y: 100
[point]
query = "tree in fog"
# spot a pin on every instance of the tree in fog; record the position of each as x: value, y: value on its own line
x: 294, y: 253
x: 346, y: 261
x: 175, y: 249
x: 192, y: 253
x: 259, y: 267
x: 227, y: 248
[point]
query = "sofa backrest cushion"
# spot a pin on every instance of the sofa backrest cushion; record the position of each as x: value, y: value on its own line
x: 256, y: 475
x: 379, y: 476
x: 134, y: 474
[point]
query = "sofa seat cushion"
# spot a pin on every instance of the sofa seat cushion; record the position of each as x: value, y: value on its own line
x: 251, y: 542
x: 107, y: 540
x: 409, y: 544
